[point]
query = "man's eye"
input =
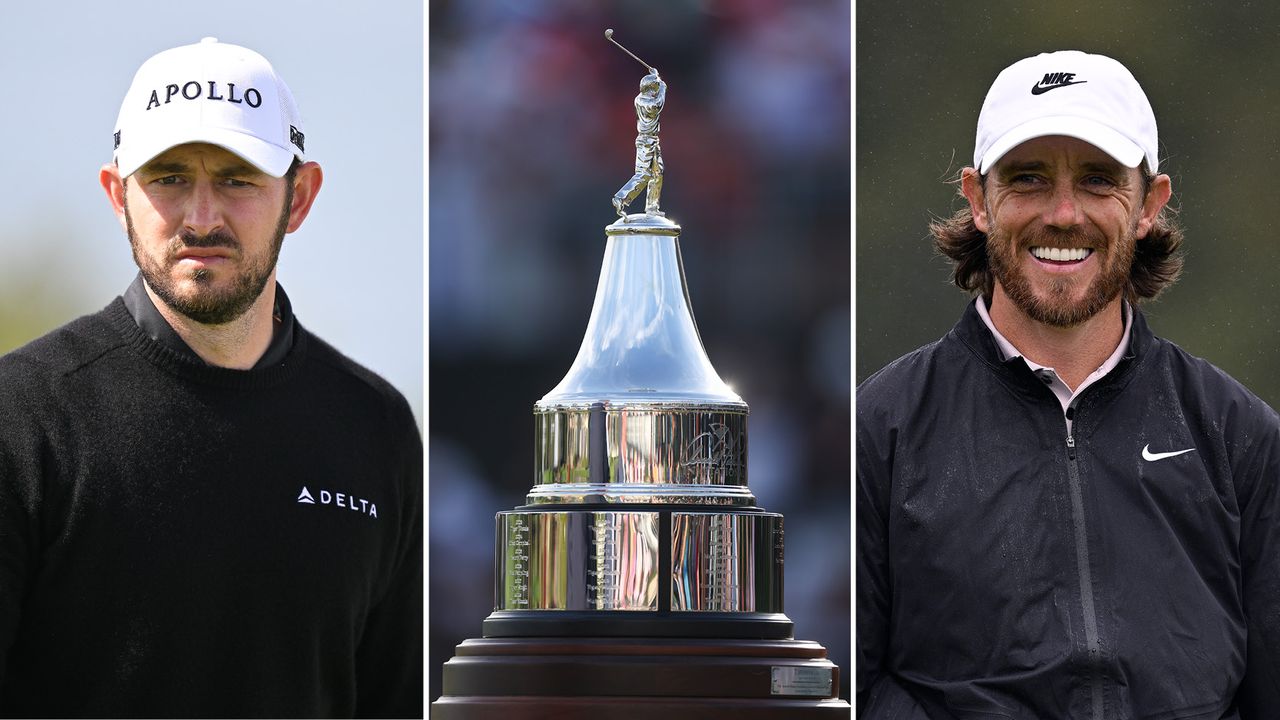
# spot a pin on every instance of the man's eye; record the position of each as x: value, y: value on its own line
x: 1099, y: 181
x: 1024, y: 179
x: 235, y: 182
x: 168, y: 180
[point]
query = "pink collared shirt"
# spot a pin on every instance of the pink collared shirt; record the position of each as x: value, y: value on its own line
x: 1047, y: 374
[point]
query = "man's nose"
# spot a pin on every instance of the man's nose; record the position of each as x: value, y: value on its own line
x: 1064, y: 210
x: 204, y: 211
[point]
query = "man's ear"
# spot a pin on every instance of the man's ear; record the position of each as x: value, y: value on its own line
x: 113, y: 184
x: 1157, y: 197
x: 971, y: 186
x: 306, y: 185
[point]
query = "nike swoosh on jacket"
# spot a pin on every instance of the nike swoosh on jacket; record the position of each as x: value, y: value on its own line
x: 1003, y: 573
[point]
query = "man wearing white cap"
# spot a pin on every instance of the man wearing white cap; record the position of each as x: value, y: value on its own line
x: 205, y: 510
x: 1059, y: 514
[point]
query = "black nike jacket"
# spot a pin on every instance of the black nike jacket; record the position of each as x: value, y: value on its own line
x: 1008, y: 569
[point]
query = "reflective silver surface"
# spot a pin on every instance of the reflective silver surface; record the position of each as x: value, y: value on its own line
x: 648, y: 165
x: 640, y: 501
x: 610, y: 560
x: 726, y: 563
x: 812, y: 680
x: 642, y: 449
x: 641, y: 343
x: 577, y: 560
x: 621, y: 493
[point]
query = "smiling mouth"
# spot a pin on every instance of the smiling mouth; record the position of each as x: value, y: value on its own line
x: 1061, y: 254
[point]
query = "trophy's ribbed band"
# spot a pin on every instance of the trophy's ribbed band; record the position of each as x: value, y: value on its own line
x: 651, y: 451
x: 576, y: 560
x: 628, y: 494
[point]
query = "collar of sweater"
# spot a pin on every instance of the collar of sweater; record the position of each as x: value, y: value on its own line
x: 119, y: 319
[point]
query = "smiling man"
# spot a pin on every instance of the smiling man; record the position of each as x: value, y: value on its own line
x: 1060, y: 514
x: 205, y: 510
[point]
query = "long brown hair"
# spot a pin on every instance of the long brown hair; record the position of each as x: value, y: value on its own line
x: 1157, y: 258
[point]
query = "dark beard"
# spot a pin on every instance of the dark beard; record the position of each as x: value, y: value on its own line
x: 211, y: 307
x: 1056, y: 309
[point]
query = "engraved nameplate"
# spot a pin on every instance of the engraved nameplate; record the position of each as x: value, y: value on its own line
x: 577, y: 561
x: 796, y: 680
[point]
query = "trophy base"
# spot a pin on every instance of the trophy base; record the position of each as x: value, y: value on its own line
x: 613, y: 624
x: 624, y: 678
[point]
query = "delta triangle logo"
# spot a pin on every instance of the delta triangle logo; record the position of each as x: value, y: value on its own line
x: 336, y: 499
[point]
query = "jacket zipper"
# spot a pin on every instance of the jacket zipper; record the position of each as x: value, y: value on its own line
x: 1092, y: 644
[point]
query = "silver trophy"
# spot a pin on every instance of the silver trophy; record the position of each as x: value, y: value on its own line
x: 640, y: 567
x: 640, y: 521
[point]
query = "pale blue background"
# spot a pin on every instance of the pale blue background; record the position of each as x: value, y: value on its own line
x: 353, y: 271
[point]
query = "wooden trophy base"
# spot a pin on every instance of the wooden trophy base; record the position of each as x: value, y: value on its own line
x: 639, y: 678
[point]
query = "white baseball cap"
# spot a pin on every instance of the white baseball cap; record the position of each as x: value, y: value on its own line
x: 1080, y: 95
x: 214, y: 93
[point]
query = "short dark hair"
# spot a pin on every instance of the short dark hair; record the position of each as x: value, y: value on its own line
x: 1157, y: 258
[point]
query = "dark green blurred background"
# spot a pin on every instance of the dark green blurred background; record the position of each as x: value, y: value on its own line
x: 1210, y: 72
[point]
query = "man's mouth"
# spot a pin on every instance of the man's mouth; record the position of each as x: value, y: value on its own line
x: 1062, y: 255
x: 202, y: 253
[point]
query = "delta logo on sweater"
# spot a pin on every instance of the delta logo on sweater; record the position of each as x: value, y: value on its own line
x: 341, y: 500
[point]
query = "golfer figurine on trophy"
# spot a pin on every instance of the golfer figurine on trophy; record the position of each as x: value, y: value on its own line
x: 648, y: 177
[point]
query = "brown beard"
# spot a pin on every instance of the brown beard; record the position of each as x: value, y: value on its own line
x: 211, y: 307
x: 1115, y: 263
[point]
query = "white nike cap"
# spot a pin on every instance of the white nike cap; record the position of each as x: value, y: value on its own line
x: 1088, y: 97
x: 209, y: 92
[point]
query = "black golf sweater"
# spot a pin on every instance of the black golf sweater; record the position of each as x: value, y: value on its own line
x: 184, y: 540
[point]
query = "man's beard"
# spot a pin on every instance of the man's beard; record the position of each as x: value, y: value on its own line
x: 1056, y: 307
x: 210, y: 306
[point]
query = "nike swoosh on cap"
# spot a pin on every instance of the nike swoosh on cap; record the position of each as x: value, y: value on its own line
x: 1150, y: 456
x: 1039, y: 89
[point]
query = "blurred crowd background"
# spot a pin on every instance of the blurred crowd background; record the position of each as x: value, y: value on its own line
x: 922, y: 72
x: 531, y: 131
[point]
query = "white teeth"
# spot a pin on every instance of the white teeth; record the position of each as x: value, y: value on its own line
x: 1061, y: 254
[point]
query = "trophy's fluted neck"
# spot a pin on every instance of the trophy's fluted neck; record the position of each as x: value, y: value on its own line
x: 641, y: 342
